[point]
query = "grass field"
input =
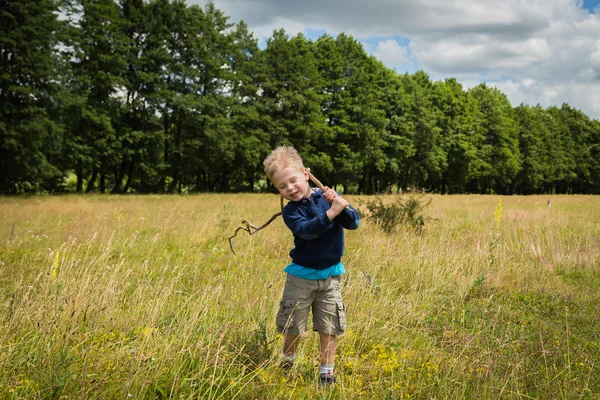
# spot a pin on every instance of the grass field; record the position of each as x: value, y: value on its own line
x: 106, y: 297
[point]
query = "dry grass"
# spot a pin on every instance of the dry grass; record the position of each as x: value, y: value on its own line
x: 140, y: 297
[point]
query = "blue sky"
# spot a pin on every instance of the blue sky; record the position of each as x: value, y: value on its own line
x: 591, y: 5
x: 536, y: 51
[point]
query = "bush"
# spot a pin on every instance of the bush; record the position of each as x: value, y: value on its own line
x: 406, y: 211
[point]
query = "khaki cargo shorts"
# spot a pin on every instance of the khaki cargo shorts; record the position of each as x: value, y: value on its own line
x: 324, y: 296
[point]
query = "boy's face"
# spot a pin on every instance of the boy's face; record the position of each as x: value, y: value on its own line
x: 292, y: 183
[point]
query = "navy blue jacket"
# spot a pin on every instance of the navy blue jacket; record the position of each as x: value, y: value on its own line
x: 319, y: 243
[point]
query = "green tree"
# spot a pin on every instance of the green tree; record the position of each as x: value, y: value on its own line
x: 595, y: 156
x: 458, y: 120
x: 29, y: 133
x: 336, y: 163
x: 220, y: 52
x: 290, y: 90
x: 159, y: 96
x: 534, y: 142
x: 96, y: 50
x: 579, y: 139
x: 499, y: 154
x: 136, y: 127
x: 425, y: 167
x: 562, y: 152
x: 351, y: 142
x: 399, y: 134
x: 367, y: 79
x: 251, y: 138
x: 198, y: 147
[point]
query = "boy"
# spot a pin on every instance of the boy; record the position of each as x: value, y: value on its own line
x: 317, y: 220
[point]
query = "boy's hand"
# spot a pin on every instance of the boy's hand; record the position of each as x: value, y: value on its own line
x: 329, y: 194
x: 337, y: 206
x: 340, y: 202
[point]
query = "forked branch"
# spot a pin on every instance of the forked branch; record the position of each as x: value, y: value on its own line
x: 252, y: 229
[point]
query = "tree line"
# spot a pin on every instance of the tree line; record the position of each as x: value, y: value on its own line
x: 135, y: 96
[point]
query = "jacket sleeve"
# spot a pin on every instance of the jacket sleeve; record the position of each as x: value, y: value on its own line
x: 349, y: 218
x: 306, y: 228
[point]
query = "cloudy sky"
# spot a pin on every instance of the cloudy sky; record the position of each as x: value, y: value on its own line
x: 535, y: 51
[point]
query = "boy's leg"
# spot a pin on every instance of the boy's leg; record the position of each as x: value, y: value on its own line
x: 328, y: 346
x: 329, y: 312
x: 290, y: 344
x: 329, y: 319
x: 293, y: 314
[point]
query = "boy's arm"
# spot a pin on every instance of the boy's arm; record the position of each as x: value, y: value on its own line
x: 305, y: 228
x: 349, y: 217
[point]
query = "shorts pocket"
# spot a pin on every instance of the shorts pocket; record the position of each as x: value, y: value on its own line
x: 285, y: 317
x: 341, y: 312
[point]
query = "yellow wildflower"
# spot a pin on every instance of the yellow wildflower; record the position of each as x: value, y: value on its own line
x: 54, y: 272
x: 147, y: 330
x: 498, y: 214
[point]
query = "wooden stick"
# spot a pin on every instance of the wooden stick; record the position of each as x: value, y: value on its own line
x: 252, y: 229
x: 315, y: 180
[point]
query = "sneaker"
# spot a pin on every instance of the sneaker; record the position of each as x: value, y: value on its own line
x: 286, y: 365
x: 326, y: 380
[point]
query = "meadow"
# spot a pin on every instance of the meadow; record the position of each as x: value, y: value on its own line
x: 105, y: 297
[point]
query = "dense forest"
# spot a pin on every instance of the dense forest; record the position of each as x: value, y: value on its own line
x: 135, y: 96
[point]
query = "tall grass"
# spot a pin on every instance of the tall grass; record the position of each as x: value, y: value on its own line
x: 140, y: 297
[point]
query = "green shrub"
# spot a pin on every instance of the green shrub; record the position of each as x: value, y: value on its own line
x: 404, y: 210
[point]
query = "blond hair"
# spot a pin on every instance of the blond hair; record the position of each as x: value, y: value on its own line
x: 281, y: 158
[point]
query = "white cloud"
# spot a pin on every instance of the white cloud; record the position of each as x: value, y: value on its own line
x: 535, y: 51
x: 482, y: 53
x: 391, y: 53
x: 292, y: 28
x: 578, y: 95
x: 363, y: 19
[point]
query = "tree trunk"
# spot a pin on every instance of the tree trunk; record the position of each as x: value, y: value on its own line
x: 119, y: 176
x: 224, y: 184
x: 198, y: 180
x: 443, y: 186
x: 162, y: 182
x: 251, y: 182
x: 102, y: 180
x: 79, y: 173
x: 174, y: 182
x: 130, y: 172
x: 92, y: 181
